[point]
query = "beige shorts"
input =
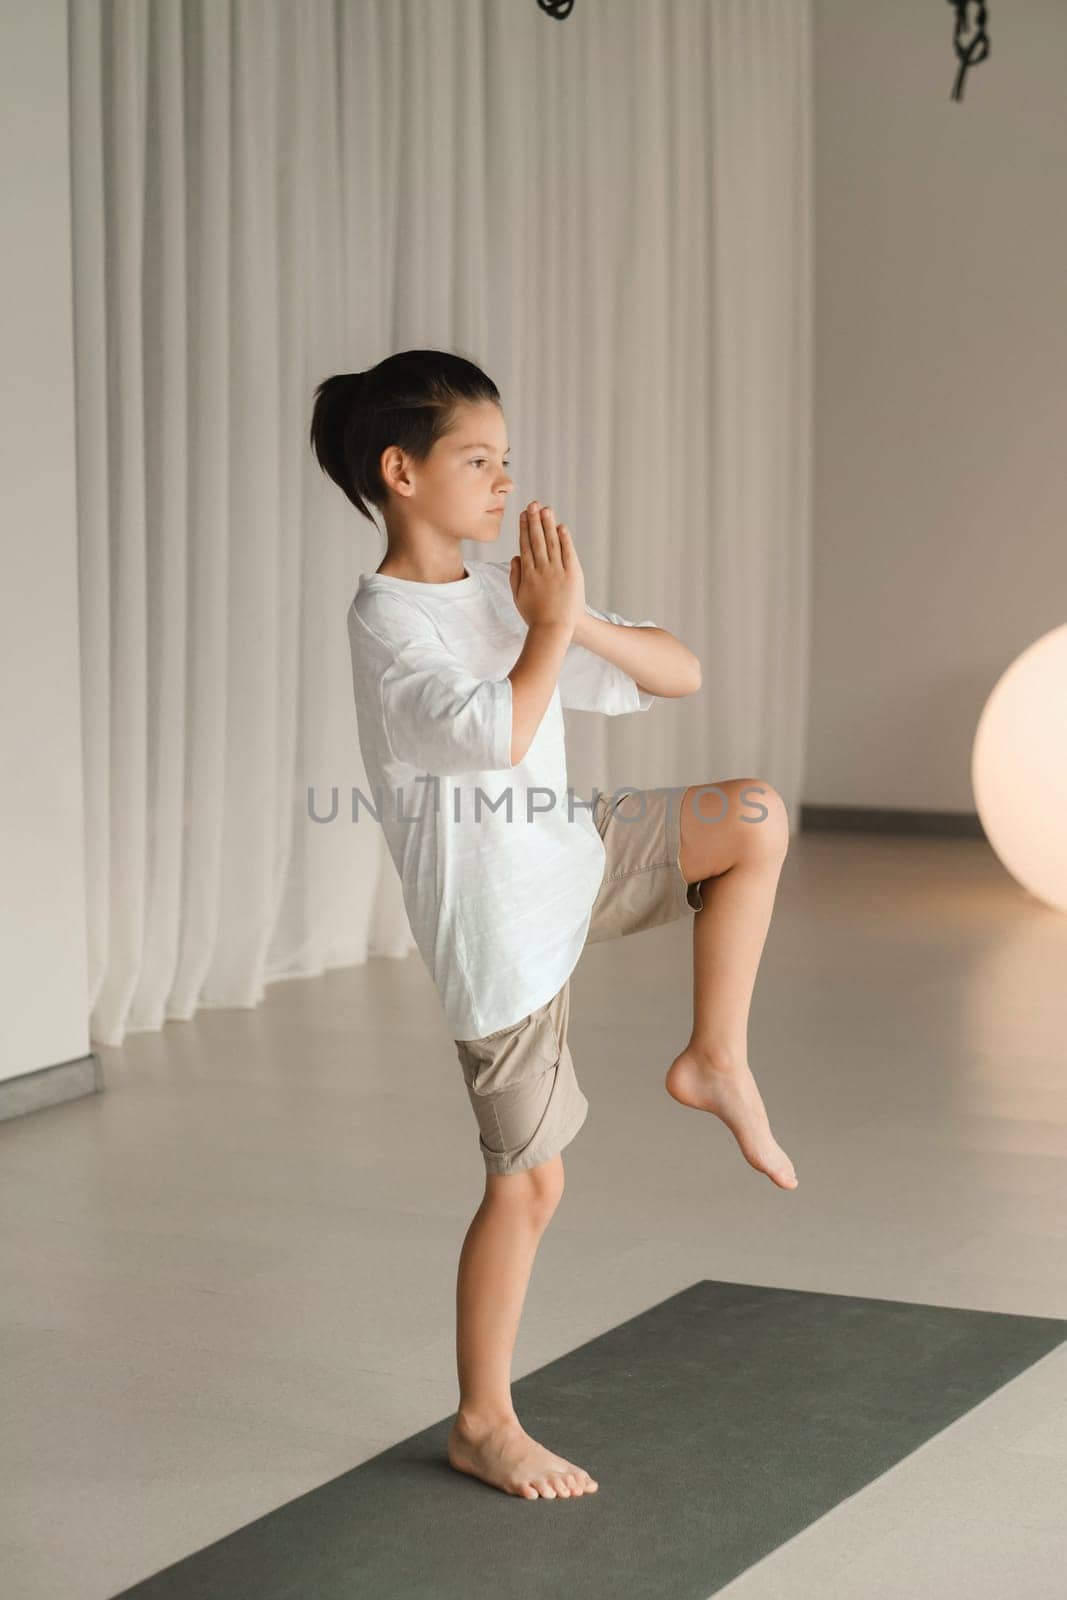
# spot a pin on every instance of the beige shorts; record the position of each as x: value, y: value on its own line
x: 521, y: 1079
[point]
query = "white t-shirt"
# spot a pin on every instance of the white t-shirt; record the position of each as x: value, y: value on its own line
x: 499, y: 908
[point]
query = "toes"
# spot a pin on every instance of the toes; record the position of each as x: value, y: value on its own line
x: 559, y: 1485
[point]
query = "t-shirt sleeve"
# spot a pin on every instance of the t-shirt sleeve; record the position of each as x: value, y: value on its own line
x: 438, y: 715
x: 587, y: 682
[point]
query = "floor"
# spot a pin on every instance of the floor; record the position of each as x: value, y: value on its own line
x: 231, y: 1276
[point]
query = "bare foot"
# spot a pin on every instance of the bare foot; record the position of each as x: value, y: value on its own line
x: 731, y: 1093
x: 507, y: 1458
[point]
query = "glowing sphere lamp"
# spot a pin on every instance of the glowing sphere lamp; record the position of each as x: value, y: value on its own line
x: 1019, y: 768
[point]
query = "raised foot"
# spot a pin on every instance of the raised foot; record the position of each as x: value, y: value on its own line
x: 505, y: 1457
x: 731, y: 1094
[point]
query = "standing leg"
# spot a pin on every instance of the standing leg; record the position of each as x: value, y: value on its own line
x: 487, y: 1439
x: 737, y: 864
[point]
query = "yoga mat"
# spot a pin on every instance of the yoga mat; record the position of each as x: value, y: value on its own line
x: 718, y: 1424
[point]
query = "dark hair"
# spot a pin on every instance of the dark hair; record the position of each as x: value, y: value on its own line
x: 408, y: 400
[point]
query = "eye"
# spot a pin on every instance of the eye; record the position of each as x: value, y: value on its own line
x: 480, y: 461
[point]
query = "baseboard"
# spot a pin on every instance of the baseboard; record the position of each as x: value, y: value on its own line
x: 50, y: 1086
x: 878, y: 819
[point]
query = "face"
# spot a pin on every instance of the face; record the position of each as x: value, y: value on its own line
x: 462, y: 488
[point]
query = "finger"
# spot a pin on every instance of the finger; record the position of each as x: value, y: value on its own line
x: 566, y: 543
x: 538, y: 552
x: 548, y: 523
x: 531, y: 527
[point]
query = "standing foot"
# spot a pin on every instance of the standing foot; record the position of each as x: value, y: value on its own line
x: 730, y: 1092
x: 504, y: 1455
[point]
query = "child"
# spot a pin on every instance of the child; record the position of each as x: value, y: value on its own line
x: 460, y: 676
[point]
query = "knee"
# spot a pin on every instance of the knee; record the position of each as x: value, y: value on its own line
x: 534, y: 1194
x: 765, y: 827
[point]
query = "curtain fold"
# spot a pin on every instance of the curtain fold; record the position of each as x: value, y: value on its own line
x: 612, y: 214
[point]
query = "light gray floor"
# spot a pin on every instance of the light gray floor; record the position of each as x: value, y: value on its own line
x: 231, y: 1276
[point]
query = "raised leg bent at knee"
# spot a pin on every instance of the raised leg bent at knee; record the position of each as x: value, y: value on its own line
x: 738, y: 867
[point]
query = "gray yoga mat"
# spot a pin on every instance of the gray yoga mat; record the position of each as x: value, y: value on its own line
x: 718, y: 1424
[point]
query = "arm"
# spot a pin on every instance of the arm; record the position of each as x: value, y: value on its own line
x: 659, y: 663
x: 533, y: 681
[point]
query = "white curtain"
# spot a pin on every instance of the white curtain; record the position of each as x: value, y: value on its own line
x: 612, y: 215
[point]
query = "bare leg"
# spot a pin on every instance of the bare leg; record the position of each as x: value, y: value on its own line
x: 712, y: 1072
x: 487, y: 1440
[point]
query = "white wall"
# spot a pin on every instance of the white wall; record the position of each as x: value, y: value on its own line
x: 941, y: 387
x: 44, y: 1015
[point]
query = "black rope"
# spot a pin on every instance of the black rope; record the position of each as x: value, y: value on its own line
x: 967, y: 53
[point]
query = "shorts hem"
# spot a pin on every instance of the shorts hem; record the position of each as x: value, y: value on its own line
x: 674, y: 838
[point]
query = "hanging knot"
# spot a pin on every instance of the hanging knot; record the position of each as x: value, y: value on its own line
x: 968, y: 52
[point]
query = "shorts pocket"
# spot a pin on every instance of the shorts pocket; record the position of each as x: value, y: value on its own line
x: 509, y: 1056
